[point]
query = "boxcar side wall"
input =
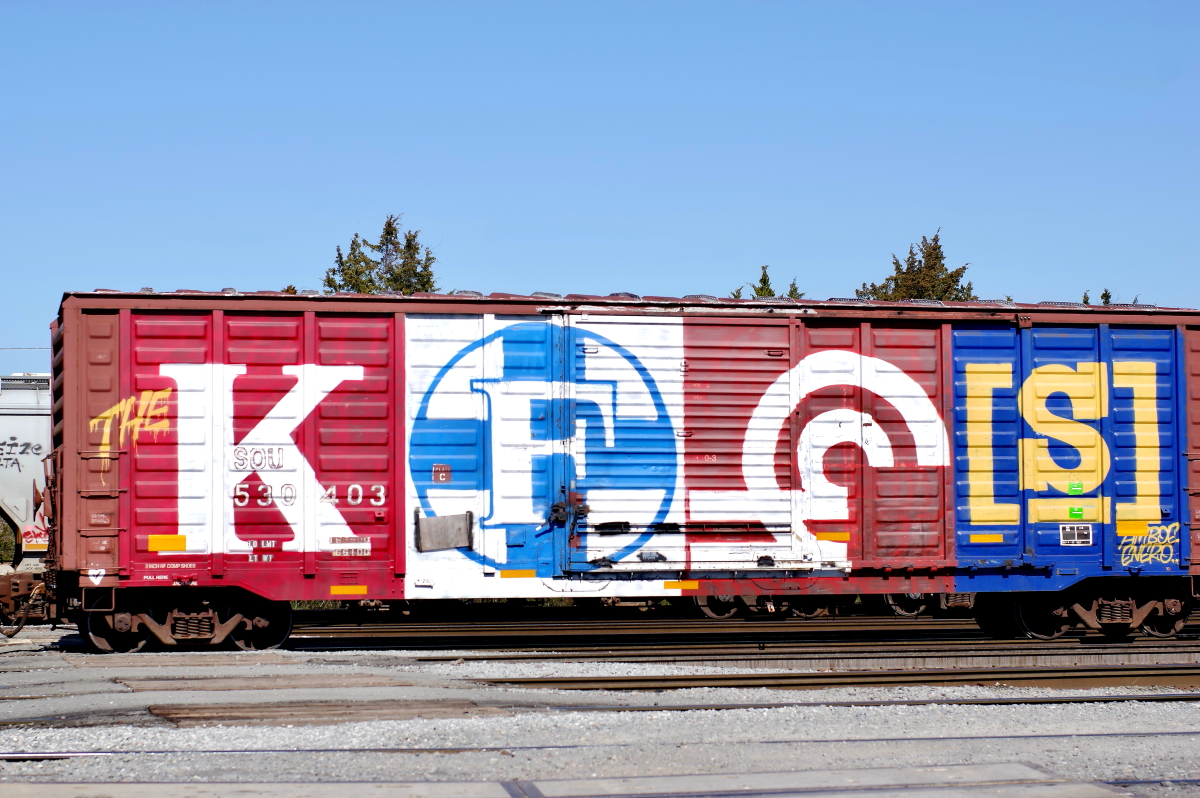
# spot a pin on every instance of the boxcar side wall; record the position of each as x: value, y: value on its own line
x: 24, y: 441
x: 1190, y: 439
x: 321, y: 449
x: 250, y: 450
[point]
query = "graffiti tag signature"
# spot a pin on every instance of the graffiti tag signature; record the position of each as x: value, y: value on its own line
x: 1158, y: 545
x: 133, y: 417
x: 13, y: 449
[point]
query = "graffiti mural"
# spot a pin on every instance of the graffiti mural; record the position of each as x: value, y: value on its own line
x: 617, y: 445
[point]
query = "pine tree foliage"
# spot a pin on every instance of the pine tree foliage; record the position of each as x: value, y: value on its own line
x: 403, y: 264
x: 1106, y: 297
x: 763, y: 288
x: 923, y: 275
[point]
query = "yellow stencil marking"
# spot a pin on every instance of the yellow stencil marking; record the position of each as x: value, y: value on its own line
x: 1146, y: 507
x: 844, y: 537
x: 982, y: 380
x: 348, y: 590
x: 167, y: 543
x: 1087, y: 387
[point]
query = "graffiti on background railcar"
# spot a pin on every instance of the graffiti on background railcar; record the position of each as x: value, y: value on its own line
x: 35, y: 537
x: 12, y: 450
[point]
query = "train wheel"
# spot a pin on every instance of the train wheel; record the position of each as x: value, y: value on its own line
x: 1171, y: 620
x: 1043, y: 617
x: 906, y: 605
x: 808, y: 607
x: 996, y: 616
x: 113, y: 632
x: 718, y: 607
x: 270, y: 623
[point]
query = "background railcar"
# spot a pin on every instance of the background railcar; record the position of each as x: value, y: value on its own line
x: 216, y: 455
x: 24, y: 443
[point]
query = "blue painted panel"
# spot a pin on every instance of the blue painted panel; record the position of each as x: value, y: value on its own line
x: 1091, y: 426
x: 987, y: 369
x: 615, y: 433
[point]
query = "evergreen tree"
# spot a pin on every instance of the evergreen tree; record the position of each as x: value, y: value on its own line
x: 1087, y: 300
x: 923, y: 275
x: 1106, y: 297
x: 763, y: 288
x: 401, y: 265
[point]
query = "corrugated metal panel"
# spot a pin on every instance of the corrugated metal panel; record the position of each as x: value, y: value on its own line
x: 1148, y: 516
x: 625, y: 388
x: 1191, y: 437
x: 256, y: 446
x: 700, y: 444
x: 737, y: 510
x: 24, y: 441
x: 906, y: 517
x: 102, y: 463
x: 987, y: 431
x: 1091, y: 421
x: 488, y: 423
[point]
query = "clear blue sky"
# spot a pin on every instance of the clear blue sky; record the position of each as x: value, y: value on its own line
x: 653, y: 147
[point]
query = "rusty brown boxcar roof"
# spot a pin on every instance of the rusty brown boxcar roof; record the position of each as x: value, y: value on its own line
x: 700, y: 304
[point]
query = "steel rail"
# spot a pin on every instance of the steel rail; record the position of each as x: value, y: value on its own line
x: 1183, y: 675
x: 534, y: 635
x: 902, y: 649
x: 547, y: 626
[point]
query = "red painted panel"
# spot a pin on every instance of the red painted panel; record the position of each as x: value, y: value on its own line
x: 907, y: 499
x: 728, y: 368
x: 239, y: 427
x: 889, y: 509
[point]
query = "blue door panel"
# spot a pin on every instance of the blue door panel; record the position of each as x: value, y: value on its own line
x: 1066, y: 454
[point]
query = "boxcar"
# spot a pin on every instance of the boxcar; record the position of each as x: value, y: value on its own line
x: 217, y: 455
x: 24, y: 443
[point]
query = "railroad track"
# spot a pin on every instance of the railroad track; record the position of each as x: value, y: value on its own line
x: 785, y: 654
x: 1077, y: 677
x: 537, y: 633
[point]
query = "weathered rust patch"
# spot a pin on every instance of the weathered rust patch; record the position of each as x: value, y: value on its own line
x: 292, y: 681
x: 317, y: 713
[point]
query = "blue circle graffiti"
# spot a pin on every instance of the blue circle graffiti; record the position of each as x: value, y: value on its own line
x: 620, y: 452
